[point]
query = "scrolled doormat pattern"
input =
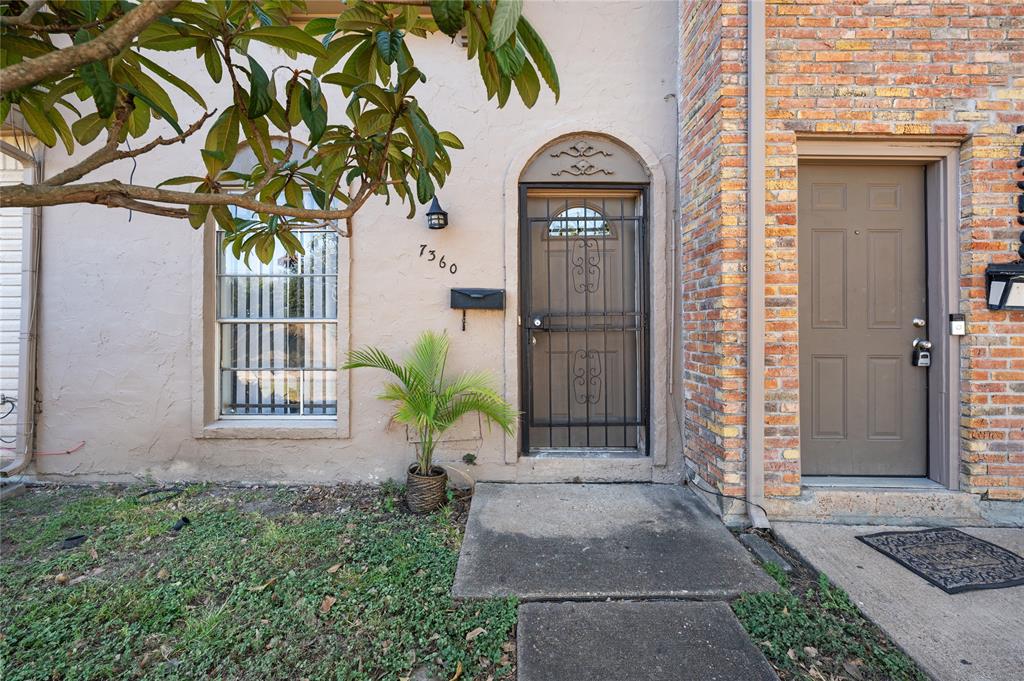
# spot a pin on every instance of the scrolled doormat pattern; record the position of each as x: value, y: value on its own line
x: 950, y: 559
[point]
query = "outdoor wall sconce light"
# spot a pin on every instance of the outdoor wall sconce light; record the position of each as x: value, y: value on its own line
x: 1004, y: 283
x: 437, y: 218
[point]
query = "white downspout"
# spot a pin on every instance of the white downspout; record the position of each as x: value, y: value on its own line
x: 755, y: 260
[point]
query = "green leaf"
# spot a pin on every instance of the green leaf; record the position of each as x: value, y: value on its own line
x: 260, y: 100
x: 62, y: 129
x: 86, y: 128
x: 378, y: 95
x: 450, y: 140
x: 173, y: 79
x: 223, y: 136
x: 211, y: 57
x: 529, y: 39
x: 389, y: 43
x: 528, y: 84
x: 511, y: 58
x: 286, y: 38
x: 449, y: 16
x: 98, y: 80
x: 319, y: 26
x: 197, y: 215
x: 503, y: 25
x: 424, y: 137
x: 424, y: 186
x: 184, y: 179
x: 315, y: 117
x: 167, y: 116
x: 41, y: 126
x: 336, y: 50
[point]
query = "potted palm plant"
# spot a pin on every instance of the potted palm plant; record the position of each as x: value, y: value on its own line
x: 430, y: 404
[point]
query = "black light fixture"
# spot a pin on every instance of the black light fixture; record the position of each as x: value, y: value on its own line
x: 1004, y: 283
x: 437, y: 218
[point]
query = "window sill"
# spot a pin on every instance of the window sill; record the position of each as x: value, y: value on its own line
x: 271, y: 429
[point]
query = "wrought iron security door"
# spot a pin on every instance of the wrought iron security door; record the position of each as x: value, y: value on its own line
x: 584, y: 318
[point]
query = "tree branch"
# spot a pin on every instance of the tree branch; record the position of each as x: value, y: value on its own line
x: 32, y: 196
x: 26, y: 14
x: 62, y: 62
x: 109, y: 153
x: 114, y: 201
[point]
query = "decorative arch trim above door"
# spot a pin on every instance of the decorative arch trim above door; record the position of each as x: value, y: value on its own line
x: 586, y: 158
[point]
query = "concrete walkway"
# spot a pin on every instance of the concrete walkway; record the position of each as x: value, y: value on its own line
x: 587, y: 560
x: 971, y: 636
x: 588, y: 542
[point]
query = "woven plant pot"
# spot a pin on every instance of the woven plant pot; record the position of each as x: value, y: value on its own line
x: 425, y: 493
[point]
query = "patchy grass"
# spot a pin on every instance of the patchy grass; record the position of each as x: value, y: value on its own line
x: 811, y: 630
x: 315, y: 583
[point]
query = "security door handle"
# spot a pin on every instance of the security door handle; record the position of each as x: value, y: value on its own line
x: 922, y: 344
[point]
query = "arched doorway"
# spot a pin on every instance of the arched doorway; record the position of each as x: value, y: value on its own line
x: 584, y: 299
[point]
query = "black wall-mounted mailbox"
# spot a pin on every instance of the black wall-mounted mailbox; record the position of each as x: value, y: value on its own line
x: 478, y: 298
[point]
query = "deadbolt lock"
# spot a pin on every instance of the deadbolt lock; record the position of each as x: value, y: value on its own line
x: 919, y: 323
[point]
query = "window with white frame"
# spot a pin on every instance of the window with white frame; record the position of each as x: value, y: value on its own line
x: 277, y: 330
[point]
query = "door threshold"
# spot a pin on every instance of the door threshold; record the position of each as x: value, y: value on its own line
x: 585, y: 453
x: 861, y: 481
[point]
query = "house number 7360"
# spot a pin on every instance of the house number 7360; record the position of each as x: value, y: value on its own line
x: 432, y: 256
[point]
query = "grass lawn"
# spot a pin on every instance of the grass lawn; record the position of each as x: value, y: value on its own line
x: 294, y: 583
x: 811, y: 630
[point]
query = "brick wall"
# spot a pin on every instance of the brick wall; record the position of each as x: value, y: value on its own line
x: 713, y: 293
x: 908, y: 69
x: 861, y: 67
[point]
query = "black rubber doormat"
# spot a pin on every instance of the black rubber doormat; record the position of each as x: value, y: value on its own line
x: 950, y: 559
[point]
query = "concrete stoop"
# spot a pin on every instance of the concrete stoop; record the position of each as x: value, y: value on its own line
x: 894, y: 506
x: 618, y: 582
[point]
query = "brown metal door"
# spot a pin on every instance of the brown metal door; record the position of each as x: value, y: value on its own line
x: 584, y: 318
x: 863, y: 406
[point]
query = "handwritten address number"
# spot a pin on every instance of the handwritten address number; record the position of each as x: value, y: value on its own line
x: 431, y: 256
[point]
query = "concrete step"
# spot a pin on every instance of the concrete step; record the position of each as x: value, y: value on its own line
x: 638, y: 641
x: 592, y: 542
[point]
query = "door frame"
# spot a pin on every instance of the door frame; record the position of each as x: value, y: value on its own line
x: 644, y: 283
x: 940, y: 157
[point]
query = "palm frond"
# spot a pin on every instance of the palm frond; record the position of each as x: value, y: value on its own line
x: 427, y: 403
x: 429, y: 355
x: 375, y: 358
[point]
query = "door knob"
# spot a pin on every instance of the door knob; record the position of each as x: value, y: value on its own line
x: 922, y: 344
x: 919, y: 323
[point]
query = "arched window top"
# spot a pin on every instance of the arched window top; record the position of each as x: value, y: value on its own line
x: 586, y: 157
x: 578, y: 221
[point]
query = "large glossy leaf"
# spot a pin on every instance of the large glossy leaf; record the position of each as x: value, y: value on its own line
x: 503, y: 25
x: 511, y: 58
x: 41, y: 126
x: 529, y: 38
x: 313, y: 115
x: 166, y: 115
x: 260, y: 100
x: 173, y: 79
x: 286, y: 38
x: 389, y: 43
x: 211, y: 58
x: 223, y: 138
x: 97, y: 78
x: 336, y: 50
x: 449, y: 15
x: 450, y: 140
x: 528, y: 84
x: 87, y: 128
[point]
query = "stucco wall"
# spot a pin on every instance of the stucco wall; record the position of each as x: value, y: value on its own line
x: 118, y: 329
